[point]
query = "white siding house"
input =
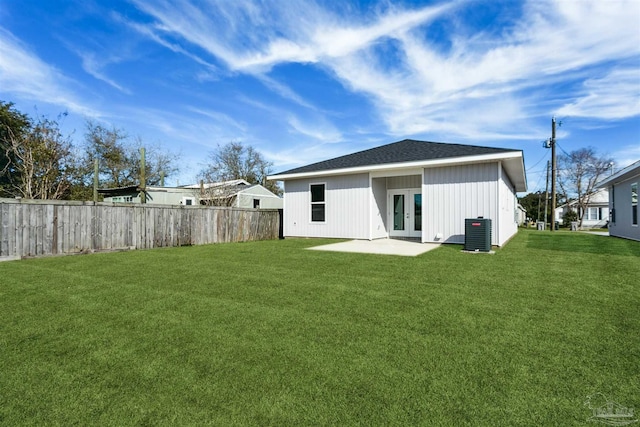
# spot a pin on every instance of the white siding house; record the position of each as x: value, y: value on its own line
x: 596, y: 214
x: 407, y: 189
x: 623, y: 189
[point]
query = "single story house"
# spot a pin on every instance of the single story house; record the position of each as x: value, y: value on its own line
x: 623, y: 202
x: 407, y: 189
x: 596, y: 214
x: 237, y: 193
x: 521, y: 214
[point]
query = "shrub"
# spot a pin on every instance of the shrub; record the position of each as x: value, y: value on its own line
x: 569, y: 217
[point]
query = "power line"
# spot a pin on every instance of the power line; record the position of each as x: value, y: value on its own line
x: 536, y: 164
x: 567, y: 154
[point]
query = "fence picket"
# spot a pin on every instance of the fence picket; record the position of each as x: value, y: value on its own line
x: 44, y: 227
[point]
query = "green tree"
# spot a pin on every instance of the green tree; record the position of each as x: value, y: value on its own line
x: 534, y: 204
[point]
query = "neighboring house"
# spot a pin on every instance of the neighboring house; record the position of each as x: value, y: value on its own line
x: 521, y: 214
x: 623, y: 202
x: 237, y: 193
x: 415, y: 189
x: 596, y: 214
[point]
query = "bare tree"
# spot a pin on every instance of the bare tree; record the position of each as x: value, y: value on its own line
x: 235, y: 161
x: 40, y: 160
x: 13, y: 124
x: 219, y: 193
x: 579, y: 172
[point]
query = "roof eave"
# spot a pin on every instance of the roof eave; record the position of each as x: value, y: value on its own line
x: 621, y: 175
x: 450, y: 161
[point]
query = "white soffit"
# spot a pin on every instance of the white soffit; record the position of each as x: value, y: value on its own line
x: 380, y: 169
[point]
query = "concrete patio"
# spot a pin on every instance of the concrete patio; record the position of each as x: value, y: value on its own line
x: 379, y: 246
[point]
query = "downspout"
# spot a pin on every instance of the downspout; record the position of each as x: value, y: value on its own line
x: 423, y: 220
x: 370, y: 201
x: 498, y: 196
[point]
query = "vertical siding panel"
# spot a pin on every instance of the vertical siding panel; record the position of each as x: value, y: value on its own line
x: 347, y: 207
x: 454, y: 193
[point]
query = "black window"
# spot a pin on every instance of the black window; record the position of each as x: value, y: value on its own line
x: 317, y: 202
x: 634, y: 203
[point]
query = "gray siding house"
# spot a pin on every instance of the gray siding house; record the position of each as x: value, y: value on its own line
x: 410, y: 188
x: 623, y: 202
x: 238, y: 193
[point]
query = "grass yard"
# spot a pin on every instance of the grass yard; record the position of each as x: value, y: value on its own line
x: 267, y: 333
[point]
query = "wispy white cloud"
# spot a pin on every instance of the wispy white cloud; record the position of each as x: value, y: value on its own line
x: 203, y: 130
x: 152, y: 32
x: 217, y: 117
x: 329, y: 39
x: 614, y: 96
x: 478, y: 87
x: 284, y: 91
x: 24, y: 74
x: 486, y: 85
x: 625, y: 155
x: 319, y: 130
x: 94, y: 67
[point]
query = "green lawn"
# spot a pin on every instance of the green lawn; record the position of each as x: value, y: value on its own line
x: 268, y: 333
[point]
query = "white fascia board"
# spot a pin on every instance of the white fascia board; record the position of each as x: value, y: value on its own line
x: 263, y: 192
x: 264, y: 195
x: 396, y: 172
x: 621, y: 175
x: 400, y: 166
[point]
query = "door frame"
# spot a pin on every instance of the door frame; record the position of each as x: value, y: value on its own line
x: 409, y: 212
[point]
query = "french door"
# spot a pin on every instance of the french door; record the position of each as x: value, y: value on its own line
x: 404, y: 216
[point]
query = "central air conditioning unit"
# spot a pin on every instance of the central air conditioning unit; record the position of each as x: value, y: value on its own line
x: 477, y: 234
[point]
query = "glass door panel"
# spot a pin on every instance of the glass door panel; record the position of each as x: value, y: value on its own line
x: 398, y: 212
x: 417, y: 212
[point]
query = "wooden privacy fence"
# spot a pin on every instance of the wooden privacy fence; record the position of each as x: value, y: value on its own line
x: 35, y: 228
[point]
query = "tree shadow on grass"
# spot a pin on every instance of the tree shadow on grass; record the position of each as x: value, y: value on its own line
x: 583, y: 243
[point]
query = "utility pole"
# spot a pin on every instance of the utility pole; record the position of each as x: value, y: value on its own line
x: 143, y: 179
x: 96, y: 171
x: 546, y: 195
x: 553, y: 173
x: 539, y: 205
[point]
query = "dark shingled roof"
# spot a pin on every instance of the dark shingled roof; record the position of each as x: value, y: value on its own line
x: 407, y: 150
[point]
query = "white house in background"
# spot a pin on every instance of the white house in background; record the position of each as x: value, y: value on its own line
x: 597, y: 211
x: 623, y: 202
x: 521, y: 214
x: 237, y: 193
x: 409, y: 188
x: 240, y: 194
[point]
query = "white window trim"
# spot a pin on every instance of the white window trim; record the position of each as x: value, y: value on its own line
x: 317, y: 203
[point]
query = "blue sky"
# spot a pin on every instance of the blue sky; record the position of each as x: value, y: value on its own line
x: 304, y: 81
